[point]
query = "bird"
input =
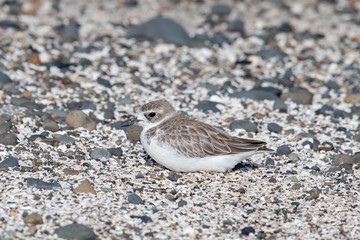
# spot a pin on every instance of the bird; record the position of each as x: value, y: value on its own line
x: 183, y: 144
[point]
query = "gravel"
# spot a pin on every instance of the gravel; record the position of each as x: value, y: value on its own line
x: 72, y: 73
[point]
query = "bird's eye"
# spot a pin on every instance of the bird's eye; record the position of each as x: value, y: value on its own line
x: 152, y: 114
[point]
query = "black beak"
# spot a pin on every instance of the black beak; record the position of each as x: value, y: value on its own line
x: 129, y: 122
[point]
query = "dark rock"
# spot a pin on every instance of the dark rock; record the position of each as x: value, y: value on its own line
x: 50, y: 125
x: 299, y: 95
x: 88, y: 105
x: 99, y: 153
x: 131, y: 3
x: 108, y: 113
x: 173, y: 177
x: 272, y: 180
x: 36, y: 137
x: 11, y: 24
x: 69, y: 32
x: 4, y: 79
x: 288, y: 80
x: 133, y: 133
x: 272, y: 90
x: 269, y: 162
x: 182, y: 203
x: 220, y: 9
x: 237, y: 26
x: 9, y: 162
x: 342, y: 159
x: 85, y: 62
x: 135, y: 199
x: 159, y: 27
x: 242, y: 190
x: 37, y: 183
x: 340, y: 114
x: 283, y: 150
x: 273, y: 127
x: 219, y: 39
x: 324, y: 110
x: 59, y: 113
x: 76, y: 231
x: 255, y: 95
x: 332, y: 85
x: 144, y: 219
x: 279, y: 105
x: 8, y: 139
x: 117, y: 152
x: 207, y: 106
x: 296, y: 186
x: 315, y: 168
x: 247, y: 230
x: 313, y: 194
x: 5, y: 127
x: 120, y: 61
x: 67, y: 140
x: 243, y: 124
x: 271, y: 52
x: 104, y: 82
x: 4, y: 118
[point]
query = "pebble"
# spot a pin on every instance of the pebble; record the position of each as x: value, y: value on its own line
x: 288, y: 80
x: 173, y: 177
x: 66, y: 140
x: 104, y: 82
x: 144, y: 218
x: 99, y: 153
x: 5, y: 127
x: 117, y: 152
x: 353, y: 98
x: 220, y: 9
x: 50, y: 125
x: 275, y: 91
x: 135, y: 199
x: 9, y: 162
x: 273, y: 127
x: 37, y: 183
x: 207, y: 106
x: 160, y: 27
x: 247, y: 230
x: 299, y: 95
x: 85, y: 62
x: 8, y: 139
x: 272, y: 180
x: 78, y: 119
x: 283, y: 150
x: 76, y: 231
x: 269, y: 162
x: 33, y: 218
x: 237, y: 26
x: 4, y: 79
x: 255, y: 95
x: 182, y: 203
x: 271, y: 52
x: 68, y: 32
x: 296, y: 186
x: 313, y: 194
x: 57, y: 112
x: 243, y: 124
x: 133, y: 133
x: 341, y: 159
x: 279, y: 105
x: 68, y: 171
x: 84, y: 187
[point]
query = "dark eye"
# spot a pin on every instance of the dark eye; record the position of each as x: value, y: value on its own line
x: 152, y: 114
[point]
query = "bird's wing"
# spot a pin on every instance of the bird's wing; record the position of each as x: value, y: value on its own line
x: 192, y: 138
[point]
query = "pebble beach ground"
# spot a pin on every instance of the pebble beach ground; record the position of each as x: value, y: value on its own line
x: 72, y: 72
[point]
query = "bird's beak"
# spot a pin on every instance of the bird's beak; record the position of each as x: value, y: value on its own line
x: 129, y: 122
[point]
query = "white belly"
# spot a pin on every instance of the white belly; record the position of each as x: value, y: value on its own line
x: 169, y: 158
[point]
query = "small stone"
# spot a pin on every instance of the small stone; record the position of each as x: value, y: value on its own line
x: 207, y: 106
x: 33, y: 218
x: 342, y: 159
x: 315, y: 168
x: 37, y: 183
x: 9, y: 162
x: 271, y: 52
x: 280, y: 105
x: 247, y: 230
x: 353, y: 98
x: 296, y: 186
x: 99, y: 153
x: 5, y: 127
x: 108, y: 113
x: 69, y: 32
x: 258, y: 95
x: 8, y: 139
x: 220, y: 9
x: 50, y: 125
x: 173, y: 177
x: 4, y: 79
x: 243, y: 124
x: 242, y: 190
x: 237, y: 26
x: 273, y: 127
x: 272, y: 180
x: 78, y: 119
x: 182, y: 203
x: 283, y: 150
x: 85, y: 62
x: 313, y: 194
x: 85, y: 187
x: 66, y: 140
x: 293, y: 156
x: 104, y: 82
x: 117, y: 152
x: 269, y: 162
x: 299, y: 95
x: 144, y: 218
x: 76, y: 231
x: 71, y: 172
x: 135, y: 199
x: 133, y: 133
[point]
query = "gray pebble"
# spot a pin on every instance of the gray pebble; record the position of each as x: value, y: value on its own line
x: 313, y: 194
x: 50, y: 125
x: 247, y: 230
x: 182, y: 203
x: 5, y: 127
x: 76, y: 231
x: 159, y: 27
x: 273, y: 127
x: 104, y: 82
x: 243, y: 124
x: 220, y: 9
x: 99, y: 153
x: 280, y: 105
x: 133, y: 133
x: 37, y: 183
x: 237, y: 26
x: 135, y: 199
x: 255, y: 95
x: 207, y: 106
x: 269, y: 162
x: 4, y: 118
x: 283, y: 150
x: 60, y: 113
x: 271, y: 52
x: 8, y: 139
x: 4, y: 79
x: 69, y: 32
x: 78, y: 119
x: 117, y: 152
x: 66, y: 140
x: 272, y: 180
x: 9, y: 162
x: 341, y: 159
x: 108, y: 113
x: 299, y: 95
x: 85, y: 62
x: 173, y: 177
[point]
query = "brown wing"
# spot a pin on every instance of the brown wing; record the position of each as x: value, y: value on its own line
x: 196, y: 139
